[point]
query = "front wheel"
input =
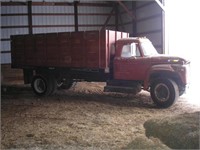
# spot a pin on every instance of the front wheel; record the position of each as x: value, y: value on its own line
x: 164, y: 92
x: 181, y: 91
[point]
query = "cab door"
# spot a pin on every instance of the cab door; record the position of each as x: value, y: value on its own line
x: 130, y: 65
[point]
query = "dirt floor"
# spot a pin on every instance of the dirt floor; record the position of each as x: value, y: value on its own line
x: 82, y: 118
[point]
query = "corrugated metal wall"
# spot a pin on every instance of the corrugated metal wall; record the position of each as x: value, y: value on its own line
x: 50, y: 17
x: 126, y: 21
x: 95, y: 18
x: 47, y: 19
x: 150, y: 23
x: 10, y: 25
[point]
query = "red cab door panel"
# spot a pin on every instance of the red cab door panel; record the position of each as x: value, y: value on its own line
x: 133, y: 68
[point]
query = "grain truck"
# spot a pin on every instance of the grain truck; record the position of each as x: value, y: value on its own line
x: 53, y: 61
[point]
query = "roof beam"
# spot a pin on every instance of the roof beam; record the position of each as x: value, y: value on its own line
x: 116, y: 17
x: 127, y: 10
x: 107, y: 20
x: 160, y: 4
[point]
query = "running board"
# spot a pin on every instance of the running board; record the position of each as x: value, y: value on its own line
x: 121, y: 89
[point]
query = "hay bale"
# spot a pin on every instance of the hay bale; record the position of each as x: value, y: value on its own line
x: 143, y: 142
x: 177, y: 132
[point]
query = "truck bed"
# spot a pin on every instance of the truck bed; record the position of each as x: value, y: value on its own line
x: 89, y: 49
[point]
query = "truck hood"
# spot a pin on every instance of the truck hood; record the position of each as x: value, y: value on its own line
x: 166, y: 59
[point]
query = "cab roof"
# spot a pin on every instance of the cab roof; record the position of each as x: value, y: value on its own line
x: 133, y: 39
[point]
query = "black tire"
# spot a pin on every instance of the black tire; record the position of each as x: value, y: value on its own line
x: 181, y: 91
x: 164, y: 92
x: 43, y: 85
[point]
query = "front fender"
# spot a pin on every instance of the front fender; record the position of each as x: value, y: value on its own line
x: 161, y: 69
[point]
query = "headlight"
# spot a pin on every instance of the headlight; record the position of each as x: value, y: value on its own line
x: 176, y: 61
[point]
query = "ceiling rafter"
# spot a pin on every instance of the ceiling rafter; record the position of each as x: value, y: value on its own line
x: 127, y: 10
x: 160, y: 4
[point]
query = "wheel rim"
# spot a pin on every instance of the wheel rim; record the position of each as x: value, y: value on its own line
x: 39, y: 86
x: 162, y: 92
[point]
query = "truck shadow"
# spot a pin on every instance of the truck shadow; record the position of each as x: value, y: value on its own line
x: 22, y: 93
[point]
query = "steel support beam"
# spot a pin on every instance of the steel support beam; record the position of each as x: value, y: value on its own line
x: 76, y: 15
x: 30, y: 25
x: 116, y: 17
x: 160, y: 4
x: 107, y: 20
x: 121, y: 22
x: 134, y: 21
x: 127, y: 10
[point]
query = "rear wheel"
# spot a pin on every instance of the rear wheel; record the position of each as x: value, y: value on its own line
x: 164, y: 92
x: 43, y: 85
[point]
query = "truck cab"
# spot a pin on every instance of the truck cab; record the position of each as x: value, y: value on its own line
x: 137, y: 65
x: 131, y: 62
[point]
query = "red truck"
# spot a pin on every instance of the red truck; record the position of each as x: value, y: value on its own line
x: 53, y: 61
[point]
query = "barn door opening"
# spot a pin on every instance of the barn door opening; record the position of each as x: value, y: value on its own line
x: 182, y: 29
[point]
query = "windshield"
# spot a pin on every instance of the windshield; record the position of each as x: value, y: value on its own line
x: 148, y: 49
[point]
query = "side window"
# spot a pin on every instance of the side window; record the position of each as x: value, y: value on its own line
x: 130, y: 50
x: 126, y: 51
